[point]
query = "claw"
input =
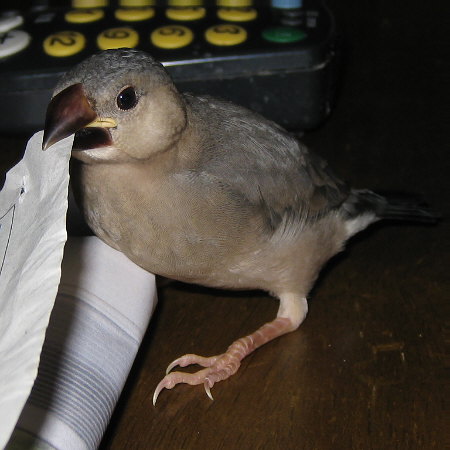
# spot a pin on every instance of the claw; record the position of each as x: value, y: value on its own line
x: 220, y: 367
x: 208, y: 390
x: 172, y: 365
x: 158, y: 389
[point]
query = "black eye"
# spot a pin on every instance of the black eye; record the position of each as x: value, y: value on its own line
x: 127, y: 98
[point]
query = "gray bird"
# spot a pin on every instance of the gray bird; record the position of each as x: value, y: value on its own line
x: 204, y: 191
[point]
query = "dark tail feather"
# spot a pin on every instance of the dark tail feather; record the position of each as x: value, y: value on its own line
x: 404, y: 207
x: 410, y: 208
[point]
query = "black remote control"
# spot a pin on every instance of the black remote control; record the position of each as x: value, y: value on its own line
x: 276, y: 57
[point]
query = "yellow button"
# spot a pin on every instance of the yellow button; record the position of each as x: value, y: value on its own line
x: 136, y: 3
x: 237, y: 14
x: 185, y: 2
x: 117, y: 38
x: 171, y: 36
x: 226, y: 34
x: 84, y: 15
x: 64, y: 43
x: 89, y: 3
x: 186, y: 13
x: 134, y: 14
x: 234, y: 3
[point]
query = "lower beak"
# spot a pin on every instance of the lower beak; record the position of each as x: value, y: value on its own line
x: 70, y: 111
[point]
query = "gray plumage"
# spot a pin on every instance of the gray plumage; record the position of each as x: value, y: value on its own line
x: 204, y: 191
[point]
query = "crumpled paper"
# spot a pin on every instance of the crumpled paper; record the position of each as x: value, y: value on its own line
x: 33, y: 205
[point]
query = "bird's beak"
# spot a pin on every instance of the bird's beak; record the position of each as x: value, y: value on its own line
x: 70, y: 111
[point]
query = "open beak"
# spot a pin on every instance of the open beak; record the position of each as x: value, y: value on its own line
x: 70, y: 111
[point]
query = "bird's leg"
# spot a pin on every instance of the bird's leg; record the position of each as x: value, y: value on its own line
x: 290, y: 315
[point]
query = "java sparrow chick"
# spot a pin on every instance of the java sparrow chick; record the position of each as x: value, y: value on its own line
x: 204, y: 191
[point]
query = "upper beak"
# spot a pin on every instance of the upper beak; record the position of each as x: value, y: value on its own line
x: 68, y: 112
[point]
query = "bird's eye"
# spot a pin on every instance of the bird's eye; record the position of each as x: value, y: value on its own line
x: 127, y: 98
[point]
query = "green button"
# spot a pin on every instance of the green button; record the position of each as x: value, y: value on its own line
x: 283, y: 35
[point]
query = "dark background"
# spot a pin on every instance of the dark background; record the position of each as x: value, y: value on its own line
x: 367, y: 369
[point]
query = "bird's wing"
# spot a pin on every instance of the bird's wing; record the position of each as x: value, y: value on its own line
x: 265, y: 165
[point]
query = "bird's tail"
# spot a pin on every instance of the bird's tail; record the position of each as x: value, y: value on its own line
x: 364, y: 207
x: 409, y: 208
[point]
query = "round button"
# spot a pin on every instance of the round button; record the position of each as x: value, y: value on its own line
x: 287, y: 4
x: 136, y: 3
x: 134, y: 14
x: 64, y: 43
x: 171, y: 37
x: 186, y: 13
x: 283, y: 35
x: 10, y: 21
x: 234, y: 3
x: 84, y: 15
x: 185, y: 2
x: 117, y: 38
x: 13, y: 41
x: 237, y: 14
x: 89, y: 3
x: 226, y: 34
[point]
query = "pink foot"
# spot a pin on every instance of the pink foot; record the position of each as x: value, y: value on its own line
x: 221, y: 367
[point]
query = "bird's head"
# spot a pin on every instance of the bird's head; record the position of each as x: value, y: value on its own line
x: 121, y: 105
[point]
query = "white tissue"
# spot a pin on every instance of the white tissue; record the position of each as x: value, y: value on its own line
x: 101, y: 313
x: 33, y: 205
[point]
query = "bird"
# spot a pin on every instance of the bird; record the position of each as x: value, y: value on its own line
x: 204, y: 191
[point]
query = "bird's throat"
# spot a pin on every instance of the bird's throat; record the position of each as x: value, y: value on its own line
x: 90, y: 138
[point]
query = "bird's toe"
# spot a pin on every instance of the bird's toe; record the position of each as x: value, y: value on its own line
x: 187, y: 360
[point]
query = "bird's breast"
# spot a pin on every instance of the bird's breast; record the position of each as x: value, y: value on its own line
x: 166, y: 227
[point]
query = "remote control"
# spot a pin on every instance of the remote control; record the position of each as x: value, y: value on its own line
x: 276, y: 57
